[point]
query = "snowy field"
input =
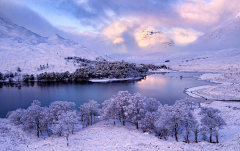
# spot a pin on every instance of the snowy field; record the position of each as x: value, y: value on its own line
x: 105, y: 136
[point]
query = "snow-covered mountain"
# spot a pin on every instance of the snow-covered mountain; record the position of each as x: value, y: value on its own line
x: 216, y: 50
x: 152, y: 37
x: 20, y: 47
x: 224, y: 36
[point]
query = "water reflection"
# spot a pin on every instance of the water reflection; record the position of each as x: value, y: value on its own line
x: 151, y: 81
x: 166, y: 88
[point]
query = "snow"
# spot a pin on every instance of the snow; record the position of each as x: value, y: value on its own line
x: 208, y: 76
x: 227, y: 87
x: 114, y: 79
x: 161, y: 71
x: 105, y: 136
x: 22, y: 48
x: 191, y: 91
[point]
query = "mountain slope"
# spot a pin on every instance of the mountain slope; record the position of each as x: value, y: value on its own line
x: 19, y: 47
x: 224, y: 36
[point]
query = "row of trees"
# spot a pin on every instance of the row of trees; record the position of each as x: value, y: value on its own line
x: 163, y: 120
x: 60, y: 118
x: 89, y: 69
x: 148, y: 114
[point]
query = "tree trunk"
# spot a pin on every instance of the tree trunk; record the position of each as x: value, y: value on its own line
x: 217, y: 139
x: 67, y: 140
x: 38, y: 128
x: 114, y: 122
x: 210, y: 135
x: 187, y: 140
x: 91, y: 119
x: 137, y: 125
x: 195, y: 137
x: 176, y: 138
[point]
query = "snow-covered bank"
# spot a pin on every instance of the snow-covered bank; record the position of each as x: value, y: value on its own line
x: 160, y: 71
x: 115, y: 79
x: 192, y: 91
x: 226, y: 88
x: 105, y: 136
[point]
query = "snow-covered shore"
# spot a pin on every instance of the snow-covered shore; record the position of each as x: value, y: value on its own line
x: 226, y: 87
x: 114, y: 79
x: 105, y: 136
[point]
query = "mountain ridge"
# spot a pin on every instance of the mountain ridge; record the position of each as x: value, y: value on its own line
x: 20, y: 47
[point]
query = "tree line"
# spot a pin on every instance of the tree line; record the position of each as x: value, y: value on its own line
x: 147, y: 114
x: 86, y: 69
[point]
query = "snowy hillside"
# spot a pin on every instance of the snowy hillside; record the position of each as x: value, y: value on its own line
x: 224, y: 36
x: 22, y: 48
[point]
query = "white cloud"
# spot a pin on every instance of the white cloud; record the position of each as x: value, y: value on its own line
x: 115, y: 30
x: 207, y: 13
x: 184, y: 36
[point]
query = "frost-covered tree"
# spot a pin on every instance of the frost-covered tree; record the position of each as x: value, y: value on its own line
x: 46, y: 121
x: 150, y: 109
x: 212, y: 121
x: 122, y: 101
x: 59, y: 107
x: 189, y: 122
x: 151, y: 105
x: 1, y: 76
x: 187, y: 104
x: 172, y: 117
x: 109, y: 110
x: 196, y: 130
x: 88, y: 111
x: 16, y: 116
x: 25, y: 77
x: 117, y: 106
x: 94, y: 110
x: 32, y: 117
x: 147, y: 123
x: 66, y: 123
x: 85, y: 114
x: 135, y: 108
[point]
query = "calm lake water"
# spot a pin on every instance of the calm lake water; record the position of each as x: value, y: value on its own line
x: 166, y: 88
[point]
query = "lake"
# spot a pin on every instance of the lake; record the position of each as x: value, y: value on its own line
x: 167, y: 88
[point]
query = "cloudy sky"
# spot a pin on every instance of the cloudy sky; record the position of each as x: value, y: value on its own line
x: 111, y: 26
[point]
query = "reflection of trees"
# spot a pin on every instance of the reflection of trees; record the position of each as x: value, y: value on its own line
x: 18, y: 85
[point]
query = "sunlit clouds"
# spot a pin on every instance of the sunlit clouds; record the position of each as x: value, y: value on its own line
x: 204, y: 12
x: 114, y: 31
x: 185, y: 36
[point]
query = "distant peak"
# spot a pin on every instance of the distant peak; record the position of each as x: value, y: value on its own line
x: 149, y: 31
x: 55, y: 37
x: 150, y: 28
